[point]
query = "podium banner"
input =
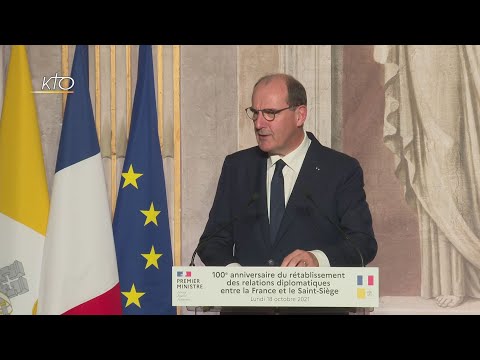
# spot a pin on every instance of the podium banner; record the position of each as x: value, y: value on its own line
x: 275, y: 286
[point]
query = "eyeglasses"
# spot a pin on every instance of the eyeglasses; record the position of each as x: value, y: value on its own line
x: 268, y: 114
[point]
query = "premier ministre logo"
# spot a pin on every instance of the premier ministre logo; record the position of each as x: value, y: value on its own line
x: 184, y: 273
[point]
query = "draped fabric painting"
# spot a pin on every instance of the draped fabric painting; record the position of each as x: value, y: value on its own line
x: 432, y: 125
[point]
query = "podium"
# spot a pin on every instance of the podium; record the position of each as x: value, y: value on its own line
x: 234, y: 310
x: 276, y: 290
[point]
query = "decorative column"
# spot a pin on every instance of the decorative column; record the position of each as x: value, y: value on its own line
x: 312, y: 65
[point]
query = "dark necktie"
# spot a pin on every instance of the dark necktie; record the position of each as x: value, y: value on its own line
x: 277, y: 200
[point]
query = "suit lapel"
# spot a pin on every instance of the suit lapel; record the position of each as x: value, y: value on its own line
x: 261, y: 205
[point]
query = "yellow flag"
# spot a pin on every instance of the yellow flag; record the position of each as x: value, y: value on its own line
x: 24, y: 199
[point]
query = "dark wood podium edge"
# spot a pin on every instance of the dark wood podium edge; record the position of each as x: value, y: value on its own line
x: 243, y: 310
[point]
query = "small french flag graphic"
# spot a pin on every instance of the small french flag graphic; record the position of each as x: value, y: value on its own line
x: 184, y: 273
x: 369, y: 280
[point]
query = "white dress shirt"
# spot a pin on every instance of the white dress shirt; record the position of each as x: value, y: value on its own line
x: 293, y: 161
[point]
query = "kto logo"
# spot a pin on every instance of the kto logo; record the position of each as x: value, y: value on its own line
x: 57, y: 85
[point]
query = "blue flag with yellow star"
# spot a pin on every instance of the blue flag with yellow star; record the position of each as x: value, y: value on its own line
x: 140, y: 225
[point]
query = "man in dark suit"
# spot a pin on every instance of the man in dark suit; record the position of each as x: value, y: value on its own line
x: 289, y: 201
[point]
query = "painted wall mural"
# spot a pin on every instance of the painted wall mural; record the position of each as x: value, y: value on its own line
x: 432, y: 126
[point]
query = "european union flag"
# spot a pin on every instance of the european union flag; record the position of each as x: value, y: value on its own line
x: 140, y: 225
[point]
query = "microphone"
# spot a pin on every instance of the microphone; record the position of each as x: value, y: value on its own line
x: 254, y: 198
x: 340, y: 230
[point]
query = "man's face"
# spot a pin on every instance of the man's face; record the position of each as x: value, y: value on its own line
x: 283, y: 134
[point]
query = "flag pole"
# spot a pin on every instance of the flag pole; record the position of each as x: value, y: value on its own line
x: 64, y: 72
x: 98, y: 117
x: 176, y: 156
x: 113, y: 122
x: 160, y: 94
x: 128, y: 66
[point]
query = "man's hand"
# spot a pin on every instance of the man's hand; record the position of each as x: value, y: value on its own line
x: 300, y: 258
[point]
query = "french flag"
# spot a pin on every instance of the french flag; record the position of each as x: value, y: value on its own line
x: 79, y: 269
